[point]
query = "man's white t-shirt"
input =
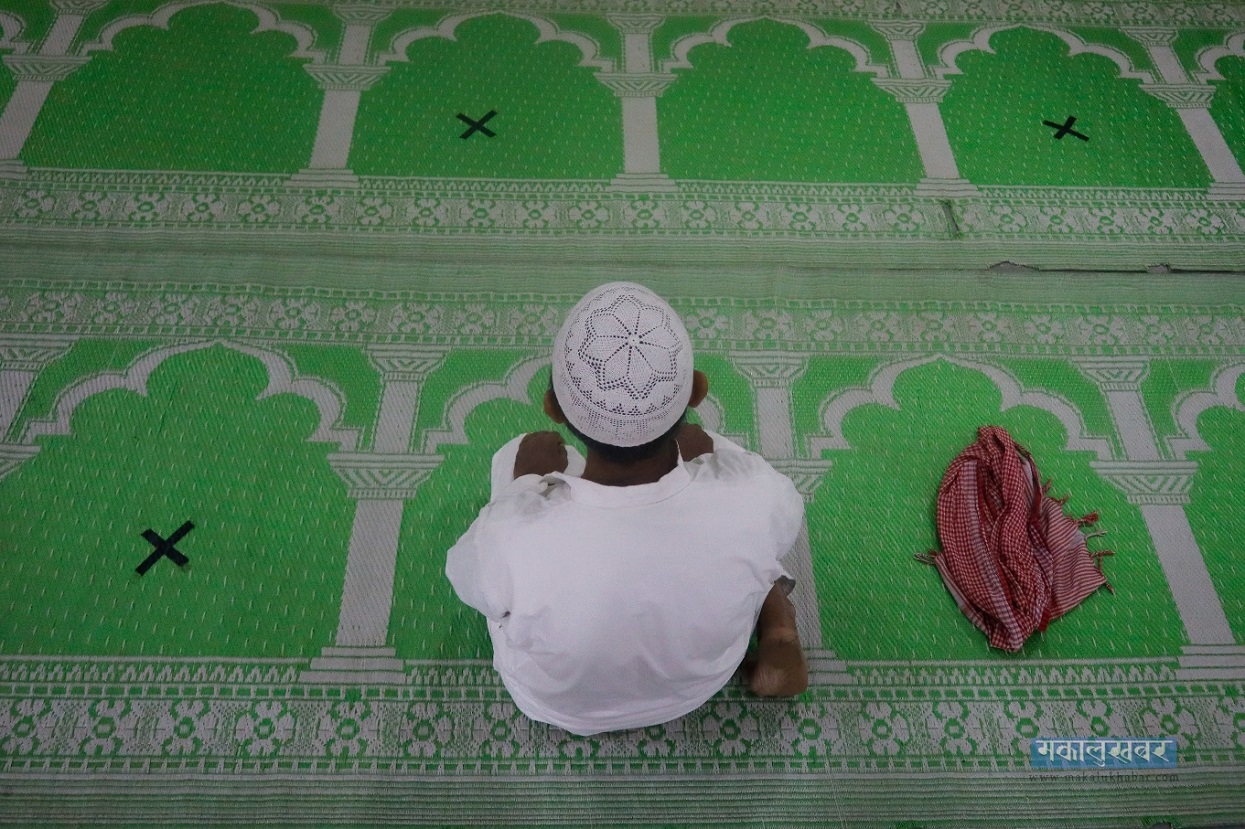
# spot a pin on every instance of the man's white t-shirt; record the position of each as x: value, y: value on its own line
x: 623, y: 607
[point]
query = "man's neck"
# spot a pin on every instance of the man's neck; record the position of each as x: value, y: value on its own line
x: 609, y: 473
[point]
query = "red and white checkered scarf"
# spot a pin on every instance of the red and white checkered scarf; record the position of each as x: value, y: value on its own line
x: 1010, y: 557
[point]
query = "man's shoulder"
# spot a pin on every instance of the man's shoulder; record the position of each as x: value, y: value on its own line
x: 732, y: 463
x: 524, y: 498
x: 733, y: 467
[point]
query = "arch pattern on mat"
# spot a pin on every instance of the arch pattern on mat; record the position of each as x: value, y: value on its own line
x: 1189, y: 407
x: 1233, y: 46
x: 712, y: 415
x: 548, y: 31
x: 719, y: 34
x: 881, y: 391
x: 11, y: 28
x: 949, y: 53
x: 269, y: 21
x: 514, y: 387
x: 283, y: 378
x: 463, y: 402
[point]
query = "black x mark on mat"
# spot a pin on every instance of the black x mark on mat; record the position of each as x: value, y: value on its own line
x: 477, y: 125
x: 164, y: 547
x: 1065, y: 129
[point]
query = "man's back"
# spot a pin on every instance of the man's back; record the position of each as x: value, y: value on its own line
x: 619, y: 607
x: 622, y: 590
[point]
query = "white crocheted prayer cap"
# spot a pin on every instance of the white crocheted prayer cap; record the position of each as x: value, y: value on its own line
x: 622, y: 365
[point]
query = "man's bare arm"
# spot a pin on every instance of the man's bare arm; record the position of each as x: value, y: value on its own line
x: 540, y: 453
x: 693, y: 441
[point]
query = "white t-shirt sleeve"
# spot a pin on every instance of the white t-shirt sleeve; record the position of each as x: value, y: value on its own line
x: 788, y: 505
x: 476, y: 583
x: 502, y: 472
x: 788, y: 515
x: 479, y: 581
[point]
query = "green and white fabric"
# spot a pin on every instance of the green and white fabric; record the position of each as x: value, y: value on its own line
x: 252, y: 277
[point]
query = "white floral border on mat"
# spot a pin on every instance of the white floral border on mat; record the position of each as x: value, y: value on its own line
x: 354, y: 317
x: 170, y: 728
x: 550, y: 209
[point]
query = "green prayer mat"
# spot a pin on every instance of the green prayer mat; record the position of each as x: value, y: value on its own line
x: 277, y: 278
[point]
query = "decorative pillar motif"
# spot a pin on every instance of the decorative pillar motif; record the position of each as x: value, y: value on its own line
x: 380, y: 482
x: 771, y: 374
x: 1158, y: 42
x: 330, y: 156
x: 22, y: 357
x: 35, y: 75
x: 69, y: 17
x: 344, y: 84
x: 921, y: 95
x: 13, y: 455
x: 638, y: 87
x: 404, y: 369
x: 1120, y: 381
x: 1150, y: 483
x: 807, y: 475
x: 902, y: 35
x: 1191, y: 101
x: 360, y: 20
x: 637, y: 31
x: 1160, y: 489
x: 1192, y: 104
